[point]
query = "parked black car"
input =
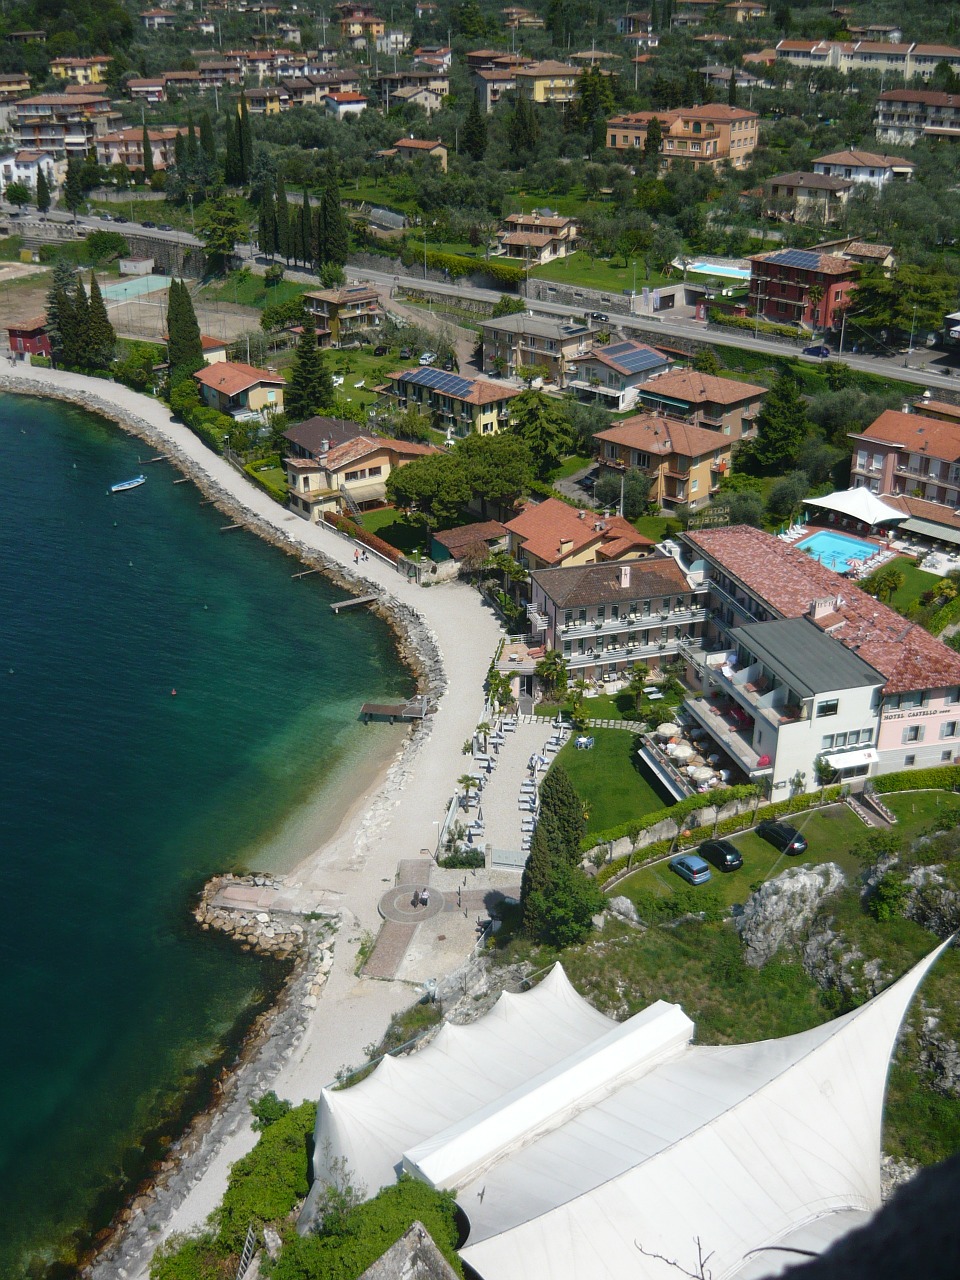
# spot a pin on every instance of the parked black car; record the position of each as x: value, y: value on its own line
x: 782, y: 836
x: 148, y: 224
x: 379, y: 351
x: 724, y: 855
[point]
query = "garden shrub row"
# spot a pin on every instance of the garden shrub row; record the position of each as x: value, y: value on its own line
x: 729, y: 826
x: 343, y: 525
x: 938, y: 778
x: 276, y: 491
x: 721, y: 318
x: 457, y: 265
x: 675, y: 812
x: 944, y: 616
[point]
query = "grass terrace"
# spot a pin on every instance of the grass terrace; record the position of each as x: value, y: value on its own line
x: 247, y: 290
x: 608, y: 781
x: 577, y: 270
x: 387, y: 524
x: 916, y: 582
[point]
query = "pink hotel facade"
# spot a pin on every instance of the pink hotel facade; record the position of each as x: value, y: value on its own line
x: 883, y: 694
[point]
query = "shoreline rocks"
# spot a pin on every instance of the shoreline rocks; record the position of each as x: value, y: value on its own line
x: 254, y: 928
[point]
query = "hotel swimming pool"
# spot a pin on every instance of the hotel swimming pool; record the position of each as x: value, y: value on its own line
x: 836, y: 550
x: 722, y: 270
x: 134, y: 287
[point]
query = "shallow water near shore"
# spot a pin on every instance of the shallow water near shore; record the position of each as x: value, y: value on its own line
x: 118, y: 797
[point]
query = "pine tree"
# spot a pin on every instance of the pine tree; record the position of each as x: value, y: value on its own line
x: 208, y: 141
x: 43, y: 192
x: 101, y: 340
x: 184, y: 348
x: 147, y: 154
x: 61, y: 328
x: 336, y: 246
x: 475, y: 132
x: 310, y: 387
x: 283, y: 219
x: 245, y: 138
x: 781, y: 427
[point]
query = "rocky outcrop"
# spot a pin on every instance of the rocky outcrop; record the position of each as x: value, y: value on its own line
x: 939, y: 1055
x: 780, y: 913
x: 623, y: 907
x: 932, y: 901
x: 264, y: 932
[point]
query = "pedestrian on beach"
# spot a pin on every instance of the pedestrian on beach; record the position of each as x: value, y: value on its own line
x: 425, y: 897
x: 416, y: 897
x: 356, y: 557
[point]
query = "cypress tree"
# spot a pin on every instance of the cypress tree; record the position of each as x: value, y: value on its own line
x: 193, y: 149
x: 561, y: 812
x: 283, y: 219
x: 184, y: 348
x: 267, y: 222
x: 73, y: 186
x: 179, y: 151
x: 475, y: 132
x: 306, y: 229
x: 233, y: 164
x: 61, y: 328
x: 320, y: 232
x: 732, y: 88
x: 208, y: 141
x: 296, y: 237
x: 43, y: 192
x: 310, y: 387
x: 147, y: 154
x: 537, y: 874
x: 245, y: 138
x: 101, y: 340
x: 335, y: 226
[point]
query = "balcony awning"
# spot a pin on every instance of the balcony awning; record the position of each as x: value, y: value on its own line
x: 852, y: 759
x: 927, y: 529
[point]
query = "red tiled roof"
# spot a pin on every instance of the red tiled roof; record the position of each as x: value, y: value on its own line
x: 418, y: 144
x: 664, y: 436
x: 934, y: 512
x: 545, y: 527
x: 231, y: 377
x: 703, y: 388
x: 468, y: 535
x: 908, y: 657
x: 865, y: 160
x: 915, y: 433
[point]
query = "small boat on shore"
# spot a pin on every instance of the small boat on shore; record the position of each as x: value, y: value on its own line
x: 128, y: 484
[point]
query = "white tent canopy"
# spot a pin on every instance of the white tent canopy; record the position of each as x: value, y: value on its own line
x: 570, y: 1139
x: 858, y: 504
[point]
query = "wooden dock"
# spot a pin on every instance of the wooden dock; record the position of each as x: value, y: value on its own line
x: 353, y: 602
x: 415, y: 709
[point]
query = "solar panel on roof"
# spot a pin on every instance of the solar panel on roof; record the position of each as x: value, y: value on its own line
x: 437, y: 380
x: 637, y: 360
x: 796, y: 258
x: 619, y: 347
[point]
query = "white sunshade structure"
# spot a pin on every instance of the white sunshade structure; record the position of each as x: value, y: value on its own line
x: 858, y: 504
x: 579, y: 1147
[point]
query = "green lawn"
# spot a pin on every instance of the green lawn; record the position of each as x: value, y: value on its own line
x: 607, y: 780
x: 570, y: 466
x: 611, y: 276
x: 916, y: 581
x: 919, y: 811
x: 386, y: 524
x: 830, y: 833
x: 247, y: 290
x: 655, y: 527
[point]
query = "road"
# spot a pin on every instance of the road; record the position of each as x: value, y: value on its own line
x: 921, y: 368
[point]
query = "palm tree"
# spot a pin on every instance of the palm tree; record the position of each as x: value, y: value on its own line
x: 638, y: 678
x: 551, y: 671
x: 467, y: 783
x: 888, y: 581
x: 483, y: 729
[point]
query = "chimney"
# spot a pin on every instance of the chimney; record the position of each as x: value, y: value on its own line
x: 624, y: 576
x: 820, y: 608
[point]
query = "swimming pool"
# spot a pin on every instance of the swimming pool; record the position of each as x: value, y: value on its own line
x: 721, y: 269
x: 134, y: 287
x: 836, y: 550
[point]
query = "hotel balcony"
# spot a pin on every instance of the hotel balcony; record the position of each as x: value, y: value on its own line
x: 633, y: 622
x: 735, y: 741
x: 760, y: 694
x: 750, y: 610
x: 623, y: 653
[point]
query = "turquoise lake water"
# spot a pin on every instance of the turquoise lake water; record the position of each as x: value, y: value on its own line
x: 117, y: 799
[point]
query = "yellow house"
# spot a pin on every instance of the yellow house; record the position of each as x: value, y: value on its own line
x: 81, y: 70
x: 240, y: 390
x: 548, y: 81
x: 549, y: 534
x: 684, y: 462
x: 345, y: 312
x: 458, y: 405
x: 325, y: 475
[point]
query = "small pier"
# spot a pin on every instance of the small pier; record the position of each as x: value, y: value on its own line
x: 353, y: 602
x: 225, y: 528
x: 415, y: 709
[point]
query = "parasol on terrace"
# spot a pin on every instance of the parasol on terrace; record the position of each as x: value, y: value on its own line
x: 682, y: 751
x: 701, y: 773
x: 668, y: 730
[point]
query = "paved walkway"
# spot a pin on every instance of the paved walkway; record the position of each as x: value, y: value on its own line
x: 500, y: 798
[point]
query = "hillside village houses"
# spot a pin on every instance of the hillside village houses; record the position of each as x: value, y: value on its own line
x: 685, y: 462
x: 802, y: 286
x: 706, y: 136
x: 719, y: 404
x: 537, y: 237
x: 240, y: 391
x: 458, y: 406
x: 846, y: 56
x: 904, y: 116
x: 551, y: 534
x: 865, y: 166
x: 513, y: 343
x: 803, y: 196
x: 612, y: 375
x: 25, y: 167
x: 343, y: 314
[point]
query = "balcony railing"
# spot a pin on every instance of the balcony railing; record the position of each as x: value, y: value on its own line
x: 733, y: 741
x: 633, y: 622
x: 622, y: 653
x: 762, y: 701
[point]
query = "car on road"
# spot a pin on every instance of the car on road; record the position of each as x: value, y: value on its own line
x: 819, y: 349
x: 104, y: 216
x: 118, y: 217
x: 148, y: 224
x: 428, y: 357
x: 600, y: 315
x: 379, y: 351
x: 162, y: 226
x: 691, y: 868
x: 782, y: 836
x: 724, y: 855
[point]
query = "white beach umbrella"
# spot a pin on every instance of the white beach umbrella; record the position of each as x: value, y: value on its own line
x: 682, y: 751
x: 701, y: 773
x: 668, y: 730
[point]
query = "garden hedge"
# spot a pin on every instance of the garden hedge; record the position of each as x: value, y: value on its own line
x: 721, y: 319
x: 949, y: 613
x: 945, y: 777
x: 729, y: 826
x: 360, y: 534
